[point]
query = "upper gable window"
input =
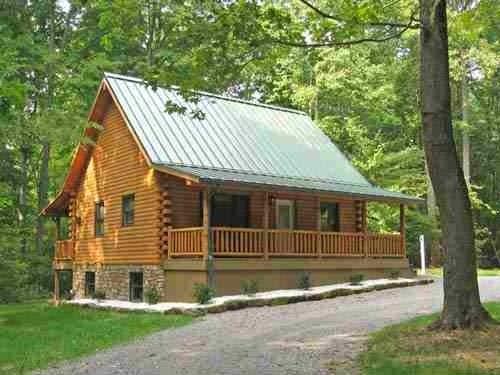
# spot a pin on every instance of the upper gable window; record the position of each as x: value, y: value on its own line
x: 128, y: 207
x: 99, y: 219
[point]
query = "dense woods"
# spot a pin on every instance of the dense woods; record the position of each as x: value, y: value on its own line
x: 360, y: 83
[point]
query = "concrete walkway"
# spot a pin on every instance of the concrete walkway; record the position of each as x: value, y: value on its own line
x: 301, y: 338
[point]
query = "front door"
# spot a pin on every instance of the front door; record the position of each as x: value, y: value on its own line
x: 284, y: 214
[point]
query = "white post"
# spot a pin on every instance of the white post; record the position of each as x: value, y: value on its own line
x: 422, y: 254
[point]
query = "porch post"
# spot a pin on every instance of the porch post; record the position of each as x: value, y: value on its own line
x: 56, y: 287
x: 364, y: 227
x: 318, y: 226
x: 208, y: 250
x: 402, y: 228
x: 266, y: 225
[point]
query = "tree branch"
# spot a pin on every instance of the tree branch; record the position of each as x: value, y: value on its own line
x: 409, y: 25
x: 343, y: 42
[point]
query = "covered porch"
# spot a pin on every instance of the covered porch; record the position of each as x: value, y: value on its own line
x: 225, y: 230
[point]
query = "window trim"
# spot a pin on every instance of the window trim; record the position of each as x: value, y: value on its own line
x: 337, y: 219
x: 98, y: 219
x: 124, y: 198
x: 291, y: 209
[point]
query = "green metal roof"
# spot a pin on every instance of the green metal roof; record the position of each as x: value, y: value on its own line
x: 239, y: 141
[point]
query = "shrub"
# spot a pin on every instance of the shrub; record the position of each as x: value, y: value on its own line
x: 356, y: 279
x: 250, y: 287
x: 152, y: 296
x: 99, y: 294
x: 304, y: 280
x: 203, y: 293
x: 394, y: 274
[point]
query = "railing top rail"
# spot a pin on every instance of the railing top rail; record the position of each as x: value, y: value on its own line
x: 234, y: 229
x: 186, y: 229
x: 293, y: 231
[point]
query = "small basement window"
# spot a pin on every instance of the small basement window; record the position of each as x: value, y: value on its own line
x: 128, y: 206
x: 99, y: 219
x: 89, y: 284
x: 136, y: 286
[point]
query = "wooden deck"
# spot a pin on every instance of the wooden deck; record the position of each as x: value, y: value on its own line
x: 245, y: 242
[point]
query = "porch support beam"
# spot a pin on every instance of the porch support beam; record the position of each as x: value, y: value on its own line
x: 365, y: 217
x: 402, y: 227
x: 364, y: 227
x: 318, y: 226
x: 265, y: 223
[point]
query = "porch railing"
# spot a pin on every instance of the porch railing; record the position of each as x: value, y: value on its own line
x: 185, y: 242
x: 64, y: 250
x: 246, y: 242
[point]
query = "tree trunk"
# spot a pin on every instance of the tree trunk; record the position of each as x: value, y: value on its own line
x: 43, y: 191
x: 466, y: 147
x: 23, y: 188
x: 43, y: 178
x: 431, y: 241
x: 462, y: 307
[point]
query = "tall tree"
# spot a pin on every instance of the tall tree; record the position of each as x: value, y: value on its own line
x: 462, y: 306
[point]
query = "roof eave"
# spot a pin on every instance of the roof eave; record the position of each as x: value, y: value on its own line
x: 375, y: 198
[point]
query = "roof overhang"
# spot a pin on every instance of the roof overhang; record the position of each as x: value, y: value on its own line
x: 220, y: 178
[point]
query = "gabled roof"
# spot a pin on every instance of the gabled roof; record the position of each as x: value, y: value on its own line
x: 235, y: 141
x: 238, y: 141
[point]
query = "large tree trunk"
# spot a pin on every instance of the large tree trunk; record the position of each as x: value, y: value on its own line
x: 432, y: 241
x: 466, y: 149
x: 462, y: 307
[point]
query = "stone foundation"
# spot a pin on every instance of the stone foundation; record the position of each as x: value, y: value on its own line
x: 114, y: 279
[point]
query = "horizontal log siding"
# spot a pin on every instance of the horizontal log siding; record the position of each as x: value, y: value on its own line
x: 186, y: 207
x: 185, y: 202
x: 117, y: 167
x: 307, y: 214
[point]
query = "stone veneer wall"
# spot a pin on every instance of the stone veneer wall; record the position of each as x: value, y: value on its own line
x: 114, y: 279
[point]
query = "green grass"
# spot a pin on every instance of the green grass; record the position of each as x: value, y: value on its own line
x: 438, y: 272
x: 411, y: 349
x: 36, y: 335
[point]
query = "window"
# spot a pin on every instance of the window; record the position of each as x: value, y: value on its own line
x: 99, y: 219
x: 136, y: 286
x: 89, y: 284
x: 330, y: 217
x: 285, y: 214
x: 128, y: 204
x: 230, y: 210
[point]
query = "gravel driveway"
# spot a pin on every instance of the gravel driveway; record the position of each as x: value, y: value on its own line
x: 302, y: 338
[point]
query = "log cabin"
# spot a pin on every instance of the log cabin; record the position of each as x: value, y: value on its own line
x: 161, y: 200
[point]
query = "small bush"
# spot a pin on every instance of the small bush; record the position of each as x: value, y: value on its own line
x: 99, y: 294
x: 152, y: 296
x: 250, y: 287
x: 356, y: 279
x: 394, y: 274
x: 304, y: 281
x: 203, y: 293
